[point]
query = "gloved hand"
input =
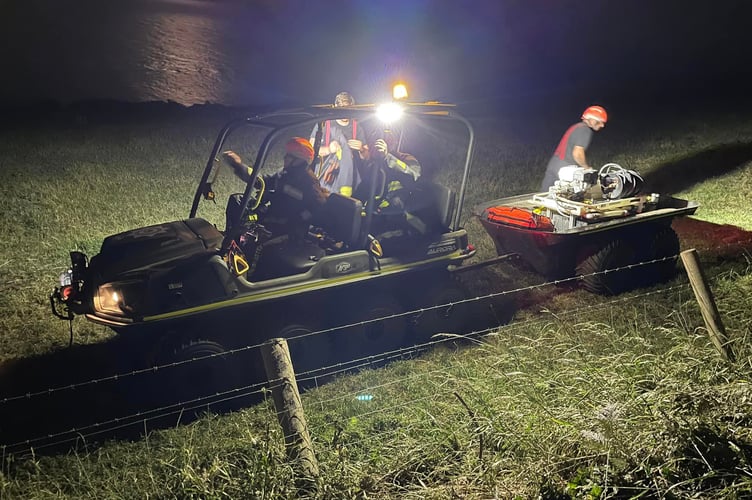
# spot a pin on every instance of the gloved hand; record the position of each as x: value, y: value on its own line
x: 364, y: 152
x: 381, y: 146
x: 232, y: 158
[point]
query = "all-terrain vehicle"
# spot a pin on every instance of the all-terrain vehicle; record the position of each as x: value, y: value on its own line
x: 218, y: 280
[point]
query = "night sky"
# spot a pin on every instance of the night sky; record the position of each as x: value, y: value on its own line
x: 251, y: 52
x: 544, y: 44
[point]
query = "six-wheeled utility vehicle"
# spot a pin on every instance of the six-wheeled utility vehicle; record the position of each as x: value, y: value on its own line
x: 219, y: 280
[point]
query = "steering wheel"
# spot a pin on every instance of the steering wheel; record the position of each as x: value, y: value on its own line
x: 258, y: 194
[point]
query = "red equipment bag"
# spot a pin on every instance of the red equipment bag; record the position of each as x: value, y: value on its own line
x: 513, y: 216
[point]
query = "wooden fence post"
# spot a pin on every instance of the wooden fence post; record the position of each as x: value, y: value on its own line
x: 704, y: 297
x: 280, y: 373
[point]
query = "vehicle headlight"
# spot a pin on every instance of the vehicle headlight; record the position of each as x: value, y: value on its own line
x: 119, y: 298
x: 66, y: 278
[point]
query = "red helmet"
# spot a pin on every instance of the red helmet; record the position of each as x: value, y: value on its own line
x: 596, y: 113
x: 300, y: 148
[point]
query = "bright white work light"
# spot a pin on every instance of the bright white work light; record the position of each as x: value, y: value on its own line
x: 389, y: 112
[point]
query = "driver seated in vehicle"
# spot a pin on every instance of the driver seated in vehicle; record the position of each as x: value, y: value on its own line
x: 293, y: 196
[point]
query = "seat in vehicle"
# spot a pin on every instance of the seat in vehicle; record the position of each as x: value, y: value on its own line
x: 341, y: 218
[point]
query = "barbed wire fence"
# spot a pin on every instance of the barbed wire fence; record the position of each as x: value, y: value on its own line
x: 679, y: 293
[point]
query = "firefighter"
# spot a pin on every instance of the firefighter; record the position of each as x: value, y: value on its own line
x: 404, y: 207
x: 292, y: 197
x: 401, y: 171
x: 573, y: 144
x: 341, y: 151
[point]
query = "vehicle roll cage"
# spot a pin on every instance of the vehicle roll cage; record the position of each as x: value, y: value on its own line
x: 280, y: 123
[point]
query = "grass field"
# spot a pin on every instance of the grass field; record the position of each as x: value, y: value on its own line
x: 577, y: 398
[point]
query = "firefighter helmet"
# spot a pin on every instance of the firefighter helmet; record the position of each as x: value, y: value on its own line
x: 596, y: 113
x: 300, y: 148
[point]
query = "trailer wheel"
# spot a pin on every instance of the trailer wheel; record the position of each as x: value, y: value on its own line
x: 597, y: 270
x: 665, y: 244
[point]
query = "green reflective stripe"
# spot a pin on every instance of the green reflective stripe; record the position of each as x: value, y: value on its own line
x: 256, y: 297
x: 394, y: 185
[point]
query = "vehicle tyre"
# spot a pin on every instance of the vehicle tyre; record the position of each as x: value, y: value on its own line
x: 446, y: 311
x: 598, y: 270
x: 192, y: 373
x: 664, y: 244
x: 375, y: 338
x: 308, y: 352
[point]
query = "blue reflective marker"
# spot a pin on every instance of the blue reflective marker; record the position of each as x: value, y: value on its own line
x: 364, y: 397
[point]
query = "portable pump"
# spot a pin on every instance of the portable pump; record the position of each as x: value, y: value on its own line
x: 614, y: 182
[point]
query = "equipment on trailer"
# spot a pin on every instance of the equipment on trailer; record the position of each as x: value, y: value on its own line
x: 611, y: 182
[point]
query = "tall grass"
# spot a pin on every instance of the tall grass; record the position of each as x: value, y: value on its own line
x: 623, y: 399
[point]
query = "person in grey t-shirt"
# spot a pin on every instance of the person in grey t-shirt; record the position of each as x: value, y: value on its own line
x: 573, y: 144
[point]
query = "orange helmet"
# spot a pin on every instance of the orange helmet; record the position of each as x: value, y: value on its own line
x: 300, y: 148
x: 596, y: 113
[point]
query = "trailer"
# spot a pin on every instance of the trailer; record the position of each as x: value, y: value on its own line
x: 596, y: 225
